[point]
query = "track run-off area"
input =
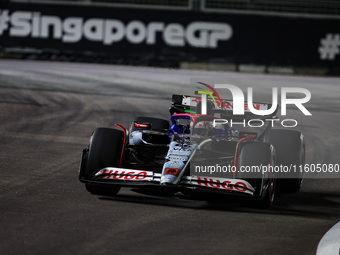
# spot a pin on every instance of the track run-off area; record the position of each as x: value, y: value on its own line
x: 47, y: 113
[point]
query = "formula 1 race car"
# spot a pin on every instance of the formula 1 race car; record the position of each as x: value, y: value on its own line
x: 187, y: 156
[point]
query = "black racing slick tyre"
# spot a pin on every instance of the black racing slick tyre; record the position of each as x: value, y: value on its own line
x: 105, y: 150
x: 111, y: 190
x: 257, y: 154
x: 156, y: 124
x: 290, y: 152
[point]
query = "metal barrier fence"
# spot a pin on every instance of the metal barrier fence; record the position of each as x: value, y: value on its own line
x: 164, y: 4
x: 289, y: 6
x: 178, y: 3
x: 325, y: 7
x: 167, y: 35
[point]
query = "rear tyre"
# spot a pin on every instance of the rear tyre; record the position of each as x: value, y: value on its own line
x: 105, y: 150
x: 290, y: 152
x: 258, y: 154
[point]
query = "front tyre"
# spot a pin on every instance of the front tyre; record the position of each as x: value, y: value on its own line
x: 250, y: 156
x: 110, y: 190
x: 105, y: 149
x: 290, y: 151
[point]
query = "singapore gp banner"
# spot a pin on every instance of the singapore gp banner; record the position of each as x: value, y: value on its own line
x: 181, y: 35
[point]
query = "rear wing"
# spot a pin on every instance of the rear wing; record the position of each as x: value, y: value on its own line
x: 191, y: 104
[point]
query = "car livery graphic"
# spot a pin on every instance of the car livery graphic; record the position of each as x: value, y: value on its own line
x: 158, y: 155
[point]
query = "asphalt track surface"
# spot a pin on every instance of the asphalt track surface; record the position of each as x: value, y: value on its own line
x: 48, y: 111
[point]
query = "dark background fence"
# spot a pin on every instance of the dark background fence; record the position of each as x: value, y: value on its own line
x: 166, y: 33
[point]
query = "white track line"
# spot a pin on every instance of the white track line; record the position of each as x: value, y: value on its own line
x: 330, y: 242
